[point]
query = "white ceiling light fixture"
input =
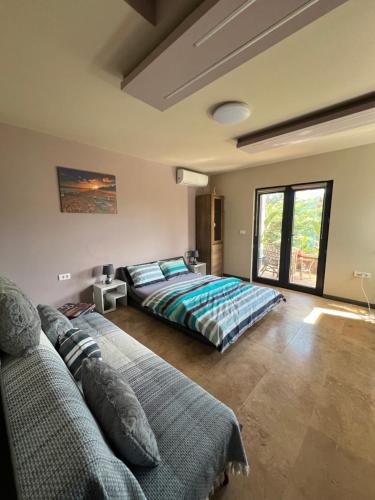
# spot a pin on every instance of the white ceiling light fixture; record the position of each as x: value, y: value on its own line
x: 230, y: 113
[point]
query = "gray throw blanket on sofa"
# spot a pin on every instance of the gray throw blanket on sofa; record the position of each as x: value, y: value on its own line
x: 58, y: 451
x: 198, y: 436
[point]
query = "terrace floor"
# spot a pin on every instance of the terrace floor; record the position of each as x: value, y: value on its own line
x: 302, y: 383
x: 298, y: 278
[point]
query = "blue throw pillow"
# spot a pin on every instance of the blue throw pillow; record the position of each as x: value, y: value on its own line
x: 74, y: 346
x: 173, y: 268
x: 145, y: 274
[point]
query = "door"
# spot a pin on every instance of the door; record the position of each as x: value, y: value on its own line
x: 291, y: 235
x: 269, y: 233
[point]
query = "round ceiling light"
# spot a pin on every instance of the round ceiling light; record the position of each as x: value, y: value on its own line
x: 230, y: 113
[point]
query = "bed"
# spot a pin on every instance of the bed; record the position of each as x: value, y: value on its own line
x: 215, y: 310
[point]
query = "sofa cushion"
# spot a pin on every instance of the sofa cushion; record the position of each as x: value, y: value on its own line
x: 75, y: 346
x: 117, y: 409
x: 58, y: 450
x: 20, y: 324
x: 54, y: 323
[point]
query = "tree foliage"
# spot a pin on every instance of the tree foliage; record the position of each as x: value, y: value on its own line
x: 306, y: 221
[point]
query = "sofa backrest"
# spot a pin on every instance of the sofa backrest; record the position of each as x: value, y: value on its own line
x: 57, y: 448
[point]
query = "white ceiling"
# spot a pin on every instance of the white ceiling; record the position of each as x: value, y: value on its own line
x: 61, y: 64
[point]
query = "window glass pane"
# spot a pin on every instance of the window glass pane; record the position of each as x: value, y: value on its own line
x: 271, y: 206
x: 217, y: 219
x: 307, y: 222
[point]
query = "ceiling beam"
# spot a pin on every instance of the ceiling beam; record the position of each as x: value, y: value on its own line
x: 340, y: 110
x: 218, y: 36
x: 146, y: 8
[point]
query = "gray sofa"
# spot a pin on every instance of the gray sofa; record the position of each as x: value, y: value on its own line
x: 59, y: 452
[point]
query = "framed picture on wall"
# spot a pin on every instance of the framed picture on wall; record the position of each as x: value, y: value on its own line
x: 86, y: 192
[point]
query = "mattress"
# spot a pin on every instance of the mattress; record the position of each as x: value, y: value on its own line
x: 220, y: 309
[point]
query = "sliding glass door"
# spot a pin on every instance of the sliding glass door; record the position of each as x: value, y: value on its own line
x: 306, y: 233
x: 291, y: 234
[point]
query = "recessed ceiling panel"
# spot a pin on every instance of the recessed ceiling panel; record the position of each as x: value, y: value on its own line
x: 217, y: 37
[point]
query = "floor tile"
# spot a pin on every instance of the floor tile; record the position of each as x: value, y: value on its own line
x: 360, y: 332
x: 346, y: 415
x: 326, y: 471
x: 274, y: 333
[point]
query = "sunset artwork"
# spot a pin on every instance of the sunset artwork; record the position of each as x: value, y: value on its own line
x: 87, y: 192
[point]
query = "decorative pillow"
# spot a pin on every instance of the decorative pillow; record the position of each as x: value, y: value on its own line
x: 120, y: 414
x: 54, y: 323
x: 75, y: 346
x: 173, y: 268
x: 19, y: 320
x: 145, y: 274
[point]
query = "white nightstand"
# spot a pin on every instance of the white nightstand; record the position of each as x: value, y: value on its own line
x: 198, y: 268
x: 106, y: 296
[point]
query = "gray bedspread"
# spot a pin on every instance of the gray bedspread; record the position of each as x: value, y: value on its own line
x: 198, y: 436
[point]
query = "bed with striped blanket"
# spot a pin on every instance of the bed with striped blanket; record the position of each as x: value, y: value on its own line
x: 220, y: 309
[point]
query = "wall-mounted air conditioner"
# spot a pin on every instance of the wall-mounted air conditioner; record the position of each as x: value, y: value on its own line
x: 189, y: 178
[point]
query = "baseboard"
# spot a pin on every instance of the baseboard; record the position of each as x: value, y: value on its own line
x: 348, y: 301
x: 325, y: 296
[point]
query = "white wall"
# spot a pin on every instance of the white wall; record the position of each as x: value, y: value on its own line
x: 155, y: 219
x: 351, y: 243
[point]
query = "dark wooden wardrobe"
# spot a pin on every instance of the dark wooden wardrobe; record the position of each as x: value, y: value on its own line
x: 210, y: 231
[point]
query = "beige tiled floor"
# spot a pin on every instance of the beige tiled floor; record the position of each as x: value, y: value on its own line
x: 302, y: 383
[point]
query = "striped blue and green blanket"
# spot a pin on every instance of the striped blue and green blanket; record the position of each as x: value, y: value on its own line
x: 221, y: 309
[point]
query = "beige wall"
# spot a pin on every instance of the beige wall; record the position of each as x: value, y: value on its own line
x: 37, y: 242
x: 351, y: 243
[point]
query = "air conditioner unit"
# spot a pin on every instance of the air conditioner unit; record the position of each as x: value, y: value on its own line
x: 189, y: 178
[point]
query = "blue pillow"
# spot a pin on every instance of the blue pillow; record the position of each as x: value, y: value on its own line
x: 173, y: 268
x: 145, y: 274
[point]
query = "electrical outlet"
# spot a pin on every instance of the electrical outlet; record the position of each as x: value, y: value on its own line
x: 362, y: 274
x: 63, y: 277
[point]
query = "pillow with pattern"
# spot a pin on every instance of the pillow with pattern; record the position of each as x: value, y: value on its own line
x: 19, y: 320
x: 173, y: 268
x: 74, y: 346
x: 54, y: 323
x: 145, y: 274
x: 120, y: 414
